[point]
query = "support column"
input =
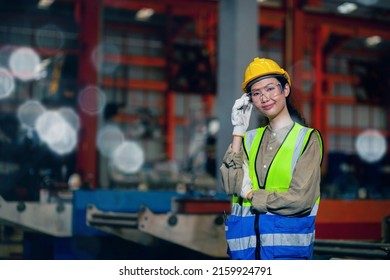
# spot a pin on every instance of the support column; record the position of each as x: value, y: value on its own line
x: 90, y: 27
x: 237, y: 39
x: 295, y: 49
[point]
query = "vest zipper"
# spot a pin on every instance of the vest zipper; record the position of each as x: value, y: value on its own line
x: 257, y: 231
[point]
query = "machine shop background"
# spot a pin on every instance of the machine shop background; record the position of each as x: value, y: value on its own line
x: 115, y: 115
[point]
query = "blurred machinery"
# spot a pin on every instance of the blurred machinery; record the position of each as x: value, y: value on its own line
x: 83, y: 224
x: 148, y: 218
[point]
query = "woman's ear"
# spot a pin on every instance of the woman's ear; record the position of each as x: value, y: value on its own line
x: 286, y: 90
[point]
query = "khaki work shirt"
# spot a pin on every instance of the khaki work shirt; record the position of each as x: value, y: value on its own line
x: 305, y: 183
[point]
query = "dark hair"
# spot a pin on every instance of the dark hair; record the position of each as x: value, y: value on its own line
x: 295, y: 114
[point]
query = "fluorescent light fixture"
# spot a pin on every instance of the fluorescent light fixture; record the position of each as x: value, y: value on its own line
x: 373, y: 40
x: 347, y: 8
x: 44, y: 4
x: 144, y: 14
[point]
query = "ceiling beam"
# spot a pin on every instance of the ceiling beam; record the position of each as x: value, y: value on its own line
x: 187, y: 8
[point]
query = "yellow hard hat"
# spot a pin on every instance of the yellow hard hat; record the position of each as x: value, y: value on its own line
x: 260, y: 67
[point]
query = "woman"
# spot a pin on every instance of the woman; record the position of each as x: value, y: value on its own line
x: 273, y: 172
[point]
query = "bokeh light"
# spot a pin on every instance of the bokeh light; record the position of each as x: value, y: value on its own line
x: 29, y: 112
x: 213, y: 127
x: 75, y: 181
x: 67, y: 143
x: 71, y: 117
x: 7, y: 83
x: 128, y: 157
x: 371, y: 145
x: 49, y: 38
x: 106, y: 66
x: 109, y: 138
x: 51, y: 127
x: 56, y: 132
x: 92, y: 100
x: 24, y: 63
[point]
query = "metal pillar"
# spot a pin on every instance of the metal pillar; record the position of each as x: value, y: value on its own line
x: 238, y: 35
x: 294, y: 47
x: 90, y: 27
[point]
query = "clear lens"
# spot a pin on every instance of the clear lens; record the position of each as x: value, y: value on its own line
x: 269, y: 91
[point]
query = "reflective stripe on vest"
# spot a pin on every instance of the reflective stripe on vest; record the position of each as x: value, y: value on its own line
x: 273, y: 240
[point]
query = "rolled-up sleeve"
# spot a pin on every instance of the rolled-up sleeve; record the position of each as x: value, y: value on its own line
x: 231, y: 171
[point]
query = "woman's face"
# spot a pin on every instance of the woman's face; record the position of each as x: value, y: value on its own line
x: 269, y: 97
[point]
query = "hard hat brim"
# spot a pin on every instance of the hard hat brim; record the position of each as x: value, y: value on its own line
x: 257, y: 79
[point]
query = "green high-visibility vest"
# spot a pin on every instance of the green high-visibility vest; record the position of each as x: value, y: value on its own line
x: 280, y: 171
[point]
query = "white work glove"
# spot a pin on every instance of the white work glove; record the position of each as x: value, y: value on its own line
x: 246, y: 183
x: 241, y: 114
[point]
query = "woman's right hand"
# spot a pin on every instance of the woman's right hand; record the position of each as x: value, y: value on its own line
x: 241, y: 114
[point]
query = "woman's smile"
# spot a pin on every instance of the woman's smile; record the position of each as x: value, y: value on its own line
x: 267, y: 107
